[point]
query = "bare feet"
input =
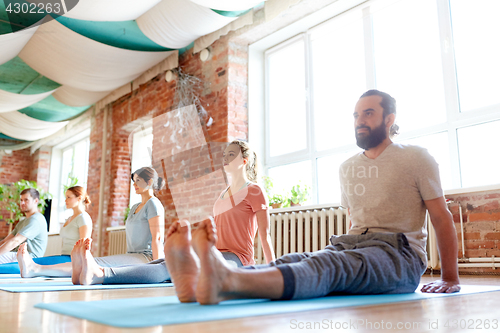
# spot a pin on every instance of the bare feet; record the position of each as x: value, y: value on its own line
x: 26, y: 265
x: 182, y: 262
x: 76, y: 262
x: 91, y: 273
x: 214, y: 271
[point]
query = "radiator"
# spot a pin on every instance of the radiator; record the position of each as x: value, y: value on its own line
x: 117, y: 241
x: 296, y: 230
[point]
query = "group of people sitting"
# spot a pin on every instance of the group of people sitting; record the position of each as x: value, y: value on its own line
x: 383, y: 252
x: 244, y: 201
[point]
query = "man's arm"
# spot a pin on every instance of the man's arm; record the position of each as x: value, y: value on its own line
x: 9, y: 236
x: 11, y: 242
x: 446, y: 235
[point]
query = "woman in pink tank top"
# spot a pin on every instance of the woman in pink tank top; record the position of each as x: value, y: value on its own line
x: 242, y: 208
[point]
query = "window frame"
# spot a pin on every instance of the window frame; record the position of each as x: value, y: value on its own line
x: 56, y: 177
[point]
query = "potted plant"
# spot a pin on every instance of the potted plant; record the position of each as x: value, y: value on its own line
x: 299, y: 194
x: 275, y: 200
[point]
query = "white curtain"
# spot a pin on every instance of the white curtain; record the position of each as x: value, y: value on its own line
x: 110, y: 10
x: 12, y: 44
x: 71, y: 59
x: 177, y: 23
x: 12, y: 102
x: 228, y: 5
x: 76, y: 97
x: 20, y: 126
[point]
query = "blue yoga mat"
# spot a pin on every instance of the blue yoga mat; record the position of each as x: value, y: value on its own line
x: 11, y: 278
x: 13, y: 267
x: 68, y: 286
x: 153, y: 311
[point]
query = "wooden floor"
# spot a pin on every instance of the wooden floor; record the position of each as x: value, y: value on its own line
x: 17, y: 313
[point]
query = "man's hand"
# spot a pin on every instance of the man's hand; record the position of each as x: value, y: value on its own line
x: 441, y: 286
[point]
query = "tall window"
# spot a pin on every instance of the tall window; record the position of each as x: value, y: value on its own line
x: 438, y: 58
x: 142, y: 147
x: 69, y: 166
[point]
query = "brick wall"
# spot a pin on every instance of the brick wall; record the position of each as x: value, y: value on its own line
x: 481, y: 224
x: 193, y: 173
x: 40, y: 167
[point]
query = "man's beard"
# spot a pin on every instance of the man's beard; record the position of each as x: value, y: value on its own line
x: 373, y: 138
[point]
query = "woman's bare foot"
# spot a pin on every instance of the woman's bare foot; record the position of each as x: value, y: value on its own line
x: 181, y: 260
x: 214, y: 271
x: 76, y: 262
x: 26, y: 264
x: 91, y: 273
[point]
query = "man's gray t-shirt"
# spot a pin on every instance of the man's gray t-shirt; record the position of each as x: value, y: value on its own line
x: 34, y: 228
x: 387, y: 194
x: 137, y: 226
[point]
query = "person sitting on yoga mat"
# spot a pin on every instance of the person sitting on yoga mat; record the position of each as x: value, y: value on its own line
x: 32, y: 230
x: 387, y: 189
x: 240, y: 210
x: 145, y: 227
x: 78, y: 225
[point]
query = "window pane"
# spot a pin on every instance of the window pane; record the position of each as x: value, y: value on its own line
x: 81, y: 161
x: 328, y: 177
x: 478, y: 161
x: 142, y: 148
x: 287, y: 99
x: 408, y: 61
x: 286, y: 176
x: 438, y: 147
x: 339, y: 79
x: 476, y: 35
x: 66, y: 172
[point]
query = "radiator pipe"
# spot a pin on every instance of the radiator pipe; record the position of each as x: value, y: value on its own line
x: 491, y: 265
x: 462, y: 229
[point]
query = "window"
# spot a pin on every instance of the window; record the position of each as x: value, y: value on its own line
x: 438, y: 58
x: 69, y: 166
x: 142, y: 147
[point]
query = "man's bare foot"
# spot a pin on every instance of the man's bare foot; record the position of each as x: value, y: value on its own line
x: 181, y: 260
x: 214, y: 271
x: 91, y: 273
x: 26, y: 264
x: 76, y: 262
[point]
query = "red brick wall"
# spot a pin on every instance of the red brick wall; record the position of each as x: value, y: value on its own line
x: 481, y: 222
x: 94, y: 172
x: 224, y: 98
x: 40, y: 168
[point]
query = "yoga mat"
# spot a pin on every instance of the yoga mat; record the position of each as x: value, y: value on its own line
x: 9, y: 276
x: 153, y: 311
x: 68, y: 286
x: 13, y: 267
x: 18, y: 278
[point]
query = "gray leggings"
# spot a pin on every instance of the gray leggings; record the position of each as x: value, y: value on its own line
x: 123, y: 259
x: 374, y: 263
x: 152, y: 272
